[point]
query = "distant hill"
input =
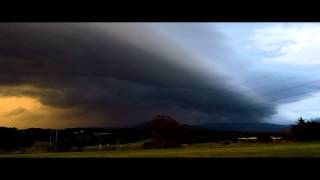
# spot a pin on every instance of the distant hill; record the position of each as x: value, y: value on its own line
x: 242, y: 127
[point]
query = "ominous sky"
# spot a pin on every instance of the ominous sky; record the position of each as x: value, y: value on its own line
x: 61, y: 75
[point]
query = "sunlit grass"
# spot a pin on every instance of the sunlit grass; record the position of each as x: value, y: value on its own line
x: 199, y: 150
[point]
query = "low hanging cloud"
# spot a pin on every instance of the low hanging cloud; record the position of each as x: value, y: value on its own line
x: 117, y: 75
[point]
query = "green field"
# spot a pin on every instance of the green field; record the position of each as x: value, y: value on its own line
x: 199, y: 150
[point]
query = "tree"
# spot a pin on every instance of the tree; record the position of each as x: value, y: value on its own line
x: 301, y: 121
x: 165, y: 132
x: 306, y: 130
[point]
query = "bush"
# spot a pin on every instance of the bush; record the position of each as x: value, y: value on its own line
x: 264, y: 138
x: 149, y: 145
x: 226, y: 142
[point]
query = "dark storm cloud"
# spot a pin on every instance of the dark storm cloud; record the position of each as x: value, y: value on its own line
x: 285, y: 88
x: 76, y: 65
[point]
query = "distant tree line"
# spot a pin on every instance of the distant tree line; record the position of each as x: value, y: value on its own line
x: 166, y: 132
x: 161, y: 132
x: 75, y: 139
x: 11, y: 139
x: 305, y: 130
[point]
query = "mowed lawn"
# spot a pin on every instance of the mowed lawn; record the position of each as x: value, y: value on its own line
x: 198, y: 150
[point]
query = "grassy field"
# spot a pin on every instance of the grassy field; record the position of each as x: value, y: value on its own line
x: 198, y: 150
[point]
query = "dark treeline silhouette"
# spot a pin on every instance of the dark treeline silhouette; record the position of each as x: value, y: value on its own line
x: 82, y: 137
x: 75, y: 139
x: 306, y: 130
x: 11, y: 139
x: 165, y: 132
x: 160, y: 132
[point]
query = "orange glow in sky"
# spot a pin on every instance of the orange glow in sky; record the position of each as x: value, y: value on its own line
x: 22, y: 112
x: 9, y: 104
x: 26, y: 112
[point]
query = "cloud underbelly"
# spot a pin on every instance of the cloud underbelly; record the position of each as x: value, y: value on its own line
x: 111, y: 82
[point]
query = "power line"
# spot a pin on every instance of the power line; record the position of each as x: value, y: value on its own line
x: 293, y: 87
x: 271, y: 93
x: 256, y: 88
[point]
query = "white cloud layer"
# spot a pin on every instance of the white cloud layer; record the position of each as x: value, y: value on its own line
x: 294, y: 44
x: 307, y: 108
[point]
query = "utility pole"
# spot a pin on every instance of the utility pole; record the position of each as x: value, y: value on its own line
x: 56, y: 136
x: 50, y: 136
